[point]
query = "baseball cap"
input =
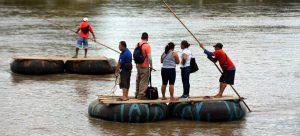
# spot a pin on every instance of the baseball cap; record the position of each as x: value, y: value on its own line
x: 219, y: 45
x: 85, y: 19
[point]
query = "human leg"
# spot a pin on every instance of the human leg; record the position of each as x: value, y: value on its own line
x: 85, y: 52
x: 138, y: 79
x: 76, y: 51
x: 185, y: 75
x: 227, y: 77
x: 182, y: 79
x: 164, y: 82
x: 163, y: 91
x: 222, y: 88
x: 171, y: 89
x: 172, y: 78
x: 125, y: 95
x: 125, y: 83
x: 78, y: 45
x: 85, y: 45
x: 144, y: 81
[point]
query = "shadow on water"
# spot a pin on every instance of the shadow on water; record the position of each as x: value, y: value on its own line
x: 17, y: 78
x: 168, y: 127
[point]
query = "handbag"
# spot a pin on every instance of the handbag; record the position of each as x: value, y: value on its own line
x: 151, y: 92
x: 193, y: 65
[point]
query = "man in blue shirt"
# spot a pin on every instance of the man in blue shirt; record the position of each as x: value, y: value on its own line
x: 124, y: 68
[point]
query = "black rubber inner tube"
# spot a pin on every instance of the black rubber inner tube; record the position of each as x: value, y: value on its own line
x: 132, y: 113
x: 209, y: 111
x: 90, y: 67
x: 37, y: 67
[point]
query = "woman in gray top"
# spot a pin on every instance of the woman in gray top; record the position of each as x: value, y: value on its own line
x: 169, y: 59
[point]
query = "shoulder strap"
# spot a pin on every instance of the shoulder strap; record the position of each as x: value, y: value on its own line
x: 167, y: 54
x: 142, y: 48
x: 142, y: 44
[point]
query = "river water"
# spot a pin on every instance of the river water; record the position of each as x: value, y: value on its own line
x: 262, y: 37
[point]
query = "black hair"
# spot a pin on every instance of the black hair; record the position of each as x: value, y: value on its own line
x: 144, y: 36
x: 168, y: 47
x: 123, y: 43
x: 185, y: 44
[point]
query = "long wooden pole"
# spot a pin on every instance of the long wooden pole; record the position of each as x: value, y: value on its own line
x: 168, y: 7
x: 88, y: 38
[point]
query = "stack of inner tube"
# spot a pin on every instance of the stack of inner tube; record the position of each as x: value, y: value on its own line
x: 208, y: 111
x: 42, y: 65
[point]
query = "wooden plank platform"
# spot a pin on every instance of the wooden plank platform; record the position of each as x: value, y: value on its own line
x: 113, y: 99
x: 64, y: 58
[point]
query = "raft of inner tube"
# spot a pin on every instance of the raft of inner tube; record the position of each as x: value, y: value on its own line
x: 209, y: 111
x: 40, y: 65
x: 131, y: 113
x: 37, y: 67
x: 90, y: 67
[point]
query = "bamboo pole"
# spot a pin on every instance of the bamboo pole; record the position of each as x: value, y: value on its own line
x: 76, y: 33
x: 88, y: 38
x: 198, y: 41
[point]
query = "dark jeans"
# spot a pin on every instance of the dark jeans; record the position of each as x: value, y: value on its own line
x: 185, y: 77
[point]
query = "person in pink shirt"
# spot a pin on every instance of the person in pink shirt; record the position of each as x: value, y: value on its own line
x: 84, y: 33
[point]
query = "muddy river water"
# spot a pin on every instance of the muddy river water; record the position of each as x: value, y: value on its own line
x: 262, y: 37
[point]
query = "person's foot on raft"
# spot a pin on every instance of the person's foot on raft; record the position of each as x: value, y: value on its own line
x: 123, y: 99
x: 218, y: 96
x: 173, y: 99
x: 163, y: 98
x: 75, y: 56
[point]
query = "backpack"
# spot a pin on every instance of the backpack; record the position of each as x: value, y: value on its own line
x: 138, y: 56
x: 86, y: 29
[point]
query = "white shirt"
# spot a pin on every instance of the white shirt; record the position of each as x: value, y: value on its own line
x: 188, y: 52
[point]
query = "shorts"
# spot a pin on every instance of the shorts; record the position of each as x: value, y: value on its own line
x: 228, y: 77
x: 82, y: 41
x: 168, y: 75
x: 125, y: 79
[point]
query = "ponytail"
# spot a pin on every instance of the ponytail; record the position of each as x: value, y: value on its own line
x: 167, y: 49
x: 170, y: 46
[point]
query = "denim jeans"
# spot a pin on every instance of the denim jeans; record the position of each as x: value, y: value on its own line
x: 185, y: 76
x: 82, y: 41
